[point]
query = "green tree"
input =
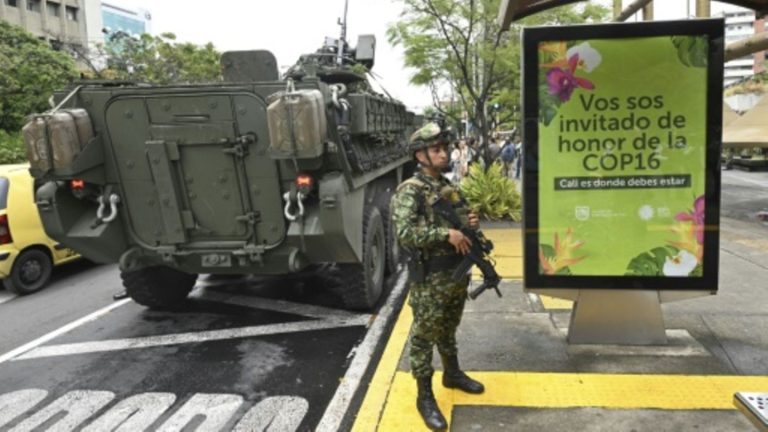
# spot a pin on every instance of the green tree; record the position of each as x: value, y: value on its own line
x: 458, y: 46
x: 161, y: 60
x: 31, y: 72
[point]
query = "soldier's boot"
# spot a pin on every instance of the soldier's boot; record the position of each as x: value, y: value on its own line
x: 453, y: 377
x: 427, y: 405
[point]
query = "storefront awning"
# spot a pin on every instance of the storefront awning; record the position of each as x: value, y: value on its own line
x: 749, y: 130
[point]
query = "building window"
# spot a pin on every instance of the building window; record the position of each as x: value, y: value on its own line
x: 71, y: 13
x: 54, y: 9
x: 12, y: 3
x: 33, y: 5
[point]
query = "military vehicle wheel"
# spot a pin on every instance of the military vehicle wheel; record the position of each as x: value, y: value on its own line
x: 361, y: 284
x: 158, y: 287
x: 393, y: 249
x: 31, y: 271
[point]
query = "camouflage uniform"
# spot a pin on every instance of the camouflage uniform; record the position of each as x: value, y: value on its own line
x: 437, y: 301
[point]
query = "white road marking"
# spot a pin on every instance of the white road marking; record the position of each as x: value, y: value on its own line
x: 16, y: 403
x: 339, y: 405
x: 275, y: 305
x: 77, y: 406
x: 5, y: 296
x: 60, y: 331
x: 138, y: 412
x: 133, y: 414
x: 274, y: 414
x: 217, y: 409
x: 746, y: 179
x: 193, y: 337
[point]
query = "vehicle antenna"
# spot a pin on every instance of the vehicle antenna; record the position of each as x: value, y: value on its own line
x: 343, y: 38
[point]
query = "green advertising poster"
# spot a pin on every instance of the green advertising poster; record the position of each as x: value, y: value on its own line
x: 622, y: 145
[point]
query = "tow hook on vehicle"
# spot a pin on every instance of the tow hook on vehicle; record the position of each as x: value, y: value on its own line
x: 112, y: 201
x: 289, y: 198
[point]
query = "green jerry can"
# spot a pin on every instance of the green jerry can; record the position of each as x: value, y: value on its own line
x: 258, y: 174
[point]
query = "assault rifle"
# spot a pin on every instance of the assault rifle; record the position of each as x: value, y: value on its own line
x: 478, y: 253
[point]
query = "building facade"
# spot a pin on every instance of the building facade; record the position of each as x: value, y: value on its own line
x: 133, y: 21
x: 56, y: 21
x: 740, y: 24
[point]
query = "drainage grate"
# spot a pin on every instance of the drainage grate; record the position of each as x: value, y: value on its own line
x: 755, y: 407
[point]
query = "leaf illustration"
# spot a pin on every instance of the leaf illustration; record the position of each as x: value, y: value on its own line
x: 691, y: 50
x: 650, y: 263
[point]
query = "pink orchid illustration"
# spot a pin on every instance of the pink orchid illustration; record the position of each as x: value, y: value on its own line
x: 696, y: 216
x: 562, y: 82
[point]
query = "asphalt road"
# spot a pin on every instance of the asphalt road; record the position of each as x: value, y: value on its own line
x: 242, y: 354
x: 744, y: 195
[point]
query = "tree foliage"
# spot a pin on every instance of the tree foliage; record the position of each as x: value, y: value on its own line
x: 31, y: 72
x: 160, y: 60
x: 456, y: 47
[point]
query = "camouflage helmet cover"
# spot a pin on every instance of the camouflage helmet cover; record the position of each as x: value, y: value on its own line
x: 428, y: 135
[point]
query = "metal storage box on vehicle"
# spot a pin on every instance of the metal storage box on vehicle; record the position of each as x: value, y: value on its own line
x: 297, y: 125
x: 54, y: 140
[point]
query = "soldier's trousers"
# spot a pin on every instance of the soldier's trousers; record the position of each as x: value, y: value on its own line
x: 437, y: 307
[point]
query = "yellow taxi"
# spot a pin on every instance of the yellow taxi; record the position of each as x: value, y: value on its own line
x: 27, y: 255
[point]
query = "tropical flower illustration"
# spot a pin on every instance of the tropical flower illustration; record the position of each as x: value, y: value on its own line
x: 696, y: 216
x: 557, y: 260
x: 681, y: 264
x: 588, y: 57
x: 558, y: 79
x: 562, y: 82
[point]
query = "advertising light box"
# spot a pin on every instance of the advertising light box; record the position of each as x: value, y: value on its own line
x: 622, y: 139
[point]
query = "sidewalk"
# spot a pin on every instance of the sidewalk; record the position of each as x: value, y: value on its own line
x: 536, y: 381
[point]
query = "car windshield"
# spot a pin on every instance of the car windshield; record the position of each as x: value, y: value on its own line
x: 3, y: 192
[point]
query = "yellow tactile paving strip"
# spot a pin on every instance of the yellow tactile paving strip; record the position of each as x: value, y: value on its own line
x: 552, y: 303
x: 569, y: 390
x: 508, y: 253
x: 389, y: 403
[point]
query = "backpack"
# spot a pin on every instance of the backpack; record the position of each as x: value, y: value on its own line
x: 508, y: 153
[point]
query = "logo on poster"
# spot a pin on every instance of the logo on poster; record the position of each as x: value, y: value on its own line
x: 582, y: 213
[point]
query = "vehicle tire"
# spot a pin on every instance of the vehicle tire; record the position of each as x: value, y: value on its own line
x: 31, y: 271
x: 158, y: 287
x: 362, y: 284
x: 393, y: 249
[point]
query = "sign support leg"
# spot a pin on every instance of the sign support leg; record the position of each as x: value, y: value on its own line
x: 617, y: 317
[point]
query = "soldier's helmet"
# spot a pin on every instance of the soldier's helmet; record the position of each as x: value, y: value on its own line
x: 428, y: 135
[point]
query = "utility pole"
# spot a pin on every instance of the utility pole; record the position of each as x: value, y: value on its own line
x: 648, y: 11
x: 702, y: 9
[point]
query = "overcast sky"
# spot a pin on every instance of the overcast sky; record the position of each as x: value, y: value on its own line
x: 289, y: 28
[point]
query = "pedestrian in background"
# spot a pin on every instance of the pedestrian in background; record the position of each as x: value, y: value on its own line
x: 508, y: 156
x: 519, y: 159
x: 433, y: 249
x: 460, y: 159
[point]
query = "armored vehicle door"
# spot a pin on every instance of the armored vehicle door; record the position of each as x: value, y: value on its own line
x: 194, y: 169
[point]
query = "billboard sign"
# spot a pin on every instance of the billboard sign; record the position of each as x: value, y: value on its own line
x: 622, y: 139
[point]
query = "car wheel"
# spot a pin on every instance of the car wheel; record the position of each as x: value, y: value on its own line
x: 30, y: 272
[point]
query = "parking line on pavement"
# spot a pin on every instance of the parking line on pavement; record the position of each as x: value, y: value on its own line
x: 570, y: 390
x: 191, y: 337
x: 60, y: 331
x: 5, y: 296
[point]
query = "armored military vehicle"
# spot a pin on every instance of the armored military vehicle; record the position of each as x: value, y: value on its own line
x: 259, y: 174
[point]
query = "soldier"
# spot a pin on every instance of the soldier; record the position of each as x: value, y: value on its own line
x: 434, y: 250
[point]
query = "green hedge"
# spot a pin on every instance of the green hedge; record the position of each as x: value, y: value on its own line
x: 11, y: 148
